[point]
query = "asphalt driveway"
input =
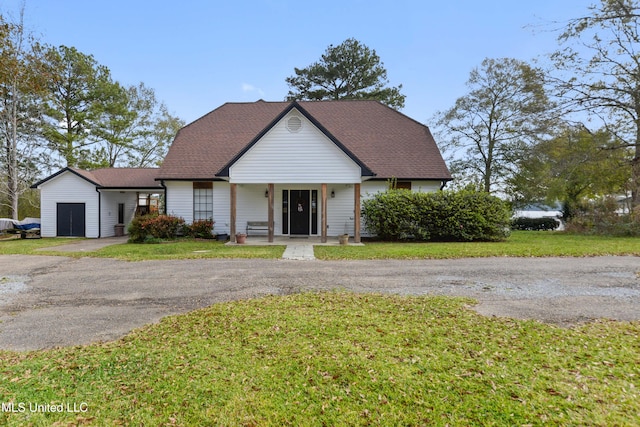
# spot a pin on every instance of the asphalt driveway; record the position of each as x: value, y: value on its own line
x: 58, y: 301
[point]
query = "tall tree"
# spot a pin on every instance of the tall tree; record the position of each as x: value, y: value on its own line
x: 350, y: 70
x: 78, y: 89
x: 113, y: 125
x: 488, y: 129
x: 21, y: 80
x: 598, y: 73
x: 153, y: 130
x: 569, y: 168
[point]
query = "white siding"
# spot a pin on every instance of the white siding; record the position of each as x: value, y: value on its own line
x: 426, y: 186
x: 67, y: 188
x: 252, y: 203
x: 369, y: 188
x: 180, y: 199
x: 305, y: 156
x: 109, y: 205
x: 221, y: 207
x: 340, y: 216
x: 251, y: 206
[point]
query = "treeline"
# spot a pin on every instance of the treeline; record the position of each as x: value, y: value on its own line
x: 59, y: 107
x: 563, y: 128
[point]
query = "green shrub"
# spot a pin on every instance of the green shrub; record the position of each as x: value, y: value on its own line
x: 202, y: 229
x: 136, y: 231
x: 534, y: 224
x: 441, y: 216
x: 154, y: 226
x: 600, y: 217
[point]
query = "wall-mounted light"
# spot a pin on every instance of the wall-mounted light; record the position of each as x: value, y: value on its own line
x: 266, y: 193
x: 333, y: 193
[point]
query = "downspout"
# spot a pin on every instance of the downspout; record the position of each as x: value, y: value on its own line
x: 99, y: 212
x: 165, y: 195
x: 444, y: 183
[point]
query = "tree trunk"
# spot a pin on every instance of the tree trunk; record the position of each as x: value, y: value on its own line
x: 12, y: 154
x: 635, y: 179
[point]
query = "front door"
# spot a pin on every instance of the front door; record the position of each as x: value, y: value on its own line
x: 299, y: 212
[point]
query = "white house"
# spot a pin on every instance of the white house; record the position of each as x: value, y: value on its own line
x: 299, y: 168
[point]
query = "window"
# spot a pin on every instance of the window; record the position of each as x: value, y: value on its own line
x: 202, y: 200
x: 120, y: 213
x: 403, y: 185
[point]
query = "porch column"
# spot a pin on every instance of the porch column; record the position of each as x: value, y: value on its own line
x: 232, y: 212
x: 323, y: 214
x: 270, y: 213
x: 356, y: 213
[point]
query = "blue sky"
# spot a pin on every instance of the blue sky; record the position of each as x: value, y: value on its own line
x: 199, y: 54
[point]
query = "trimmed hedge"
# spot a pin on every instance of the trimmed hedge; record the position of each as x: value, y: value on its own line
x: 441, y: 216
x: 534, y: 224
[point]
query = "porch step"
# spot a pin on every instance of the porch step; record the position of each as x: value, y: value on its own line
x: 299, y: 252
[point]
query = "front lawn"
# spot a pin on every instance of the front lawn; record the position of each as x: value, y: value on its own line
x: 334, y: 359
x: 13, y: 245
x: 178, y: 249
x: 520, y: 244
x: 186, y: 249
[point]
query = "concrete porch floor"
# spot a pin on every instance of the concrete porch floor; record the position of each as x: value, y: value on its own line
x: 287, y: 241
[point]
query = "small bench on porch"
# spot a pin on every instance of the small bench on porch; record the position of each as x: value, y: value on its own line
x: 257, y: 226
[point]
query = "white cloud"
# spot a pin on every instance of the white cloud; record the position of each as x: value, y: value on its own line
x: 249, y: 88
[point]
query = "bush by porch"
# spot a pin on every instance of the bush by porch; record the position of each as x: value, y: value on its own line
x: 441, y: 216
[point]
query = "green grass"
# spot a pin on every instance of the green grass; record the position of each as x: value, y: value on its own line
x: 186, y: 249
x: 179, y: 249
x: 520, y: 244
x: 17, y: 246
x: 336, y: 359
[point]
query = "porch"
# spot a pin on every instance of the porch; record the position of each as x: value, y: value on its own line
x: 287, y: 241
x: 296, y: 211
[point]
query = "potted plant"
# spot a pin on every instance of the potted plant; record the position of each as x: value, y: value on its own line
x: 241, y: 238
x: 344, y: 238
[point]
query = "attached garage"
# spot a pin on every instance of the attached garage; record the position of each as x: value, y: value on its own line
x: 70, y: 219
x: 80, y: 203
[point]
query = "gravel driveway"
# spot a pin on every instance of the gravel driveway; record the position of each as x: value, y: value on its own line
x: 57, y: 301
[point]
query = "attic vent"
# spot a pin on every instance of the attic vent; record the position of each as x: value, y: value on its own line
x: 294, y: 124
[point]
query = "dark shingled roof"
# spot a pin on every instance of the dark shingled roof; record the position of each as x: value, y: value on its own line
x: 388, y: 143
x: 122, y: 177
x: 143, y: 178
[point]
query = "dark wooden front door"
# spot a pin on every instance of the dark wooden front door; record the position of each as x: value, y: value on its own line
x: 299, y: 212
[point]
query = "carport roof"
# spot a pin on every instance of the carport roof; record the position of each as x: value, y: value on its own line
x: 114, y: 178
